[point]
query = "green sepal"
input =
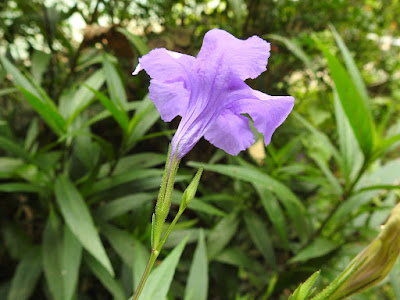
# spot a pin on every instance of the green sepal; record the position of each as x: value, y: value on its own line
x: 190, y: 191
x: 164, y: 197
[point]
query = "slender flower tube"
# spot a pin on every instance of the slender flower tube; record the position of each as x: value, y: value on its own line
x: 210, y: 94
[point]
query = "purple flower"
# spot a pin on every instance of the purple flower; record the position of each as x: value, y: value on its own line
x: 210, y: 94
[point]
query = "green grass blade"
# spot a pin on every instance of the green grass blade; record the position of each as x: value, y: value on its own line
x: 77, y: 216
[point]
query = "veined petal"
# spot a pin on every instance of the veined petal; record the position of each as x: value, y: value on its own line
x: 165, y: 65
x: 171, y: 99
x: 230, y: 132
x: 169, y: 87
x: 244, y: 58
x: 268, y: 112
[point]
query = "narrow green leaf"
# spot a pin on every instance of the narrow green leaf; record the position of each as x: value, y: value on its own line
x: 15, y: 240
x: 136, y: 161
x: 26, y: 275
x: 119, y: 114
x: 353, y: 105
x: 260, y: 236
x: 198, y: 205
x: 19, y: 187
x: 114, y: 84
x: 319, y: 247
x: 111, y: 182
x: 351, y: 154
x: 137, y: 41
x: 72, y: 254
x: 160, y: 279
x: 122, y: 242
x: 236, y: 257
x: 13, y: 148
x: 52, y: 254
x: 221, y: 235
x: 77, y: 216
x: 145, y: 117
x: 73, y: 103
x: 197, y: 282
x: 294, y: 48
x: 7, y: 91
x: 122, y: 205
x: 274, y: 212
x: 113, y: 286
x: 351, y: 67
x: 17, y: 77
x: 294, y: 207
x: 32, y: 134
x: 321, y: 136
x: 49, y: 115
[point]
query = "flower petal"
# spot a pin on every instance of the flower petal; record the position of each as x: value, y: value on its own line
x: 268, y: 112
x: 170, y: 82
x: 245, y: 58
x: 230, y: 132
x: 171, y: 99
x: 165, y: 65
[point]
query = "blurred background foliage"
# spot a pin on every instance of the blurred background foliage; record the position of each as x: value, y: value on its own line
x: 82, y: 149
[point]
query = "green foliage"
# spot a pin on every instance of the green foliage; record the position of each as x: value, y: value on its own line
x: 82, y: 149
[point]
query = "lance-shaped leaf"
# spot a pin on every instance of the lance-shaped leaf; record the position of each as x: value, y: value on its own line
x: 353, y: 104
x: 77, y: 216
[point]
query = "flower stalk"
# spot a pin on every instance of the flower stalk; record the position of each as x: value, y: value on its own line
x: 161, y: 212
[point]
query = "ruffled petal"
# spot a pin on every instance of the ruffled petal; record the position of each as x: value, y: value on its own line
x: 230, y: 132
x: 171, y: 99
x: 244, y: 58
x: 166, y: 66
x: 268, y: 112
x: 170, y: 84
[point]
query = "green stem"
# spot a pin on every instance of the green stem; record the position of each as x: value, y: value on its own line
x: 162, y: 210
x: 150, y: 263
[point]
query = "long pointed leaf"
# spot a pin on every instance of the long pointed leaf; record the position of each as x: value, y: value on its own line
x: 292, y: 204
x: 160, y: 279
x: 72, y: 254
x: 51, y: 116
x: 353, y: 104
x: 197, y: 282
x: 351, y: 67
x: 77, y: 216
x: 26, y: 275
x: 52, y: 256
